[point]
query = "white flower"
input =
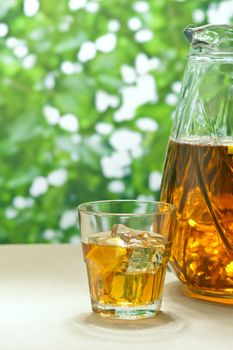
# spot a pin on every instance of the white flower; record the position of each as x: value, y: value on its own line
x: 134, y: 23
x: 12, y: 42
x: 49, y: 234
x: 143, y: 35
x: 20, y: 202
x: 116, y: 165
x: 128, y: 74
x: 76, y: 138
x: 49, y: 81
x: 74, y: 239
x: 39, y: 186
x: 4, y: 29
x: 92, y: 7
x: 103, y: 128
x: 116, y: 186
x: 134, y: 96
x: 20, y: 51
x: 125, y: 139
x: 137, y: 152
x: 171, y: 99
x: 57, y: 177
x: 144, y: 64
x: 176, y: 87
x: 220, y: 13
x: 11, y: 213
x: 31, y: 7
x: 87, y: 51
x: 145, y: 197
x: 147, y: 124
x: 69, y: 68
x: 69, y: 122
x: 65, y: 23
x: 198, y: 15
x: 155, y: 180
x: 106, y: 43
x: 75, y: 5
x: 141, y: 6
x: 113, y: 25
x: 68, y: 220
x: 103, y: 100
x: 51, y: 114
x: 29, y: 61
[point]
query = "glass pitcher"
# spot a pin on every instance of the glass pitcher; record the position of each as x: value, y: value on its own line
x: 198, y: 173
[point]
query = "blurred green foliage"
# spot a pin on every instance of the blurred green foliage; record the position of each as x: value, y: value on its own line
x: 47, y: 80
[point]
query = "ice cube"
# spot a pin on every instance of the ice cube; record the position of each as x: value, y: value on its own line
x: 147, y: 248
x: 118, y: 229
x: 151, y: 239
x: 133, y: 237
x: 123, y: 232
x: 145, y: 259
x: 126, y: 233
x: 139, y: 261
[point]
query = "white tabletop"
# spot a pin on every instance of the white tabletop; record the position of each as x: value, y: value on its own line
x: 44, y: 305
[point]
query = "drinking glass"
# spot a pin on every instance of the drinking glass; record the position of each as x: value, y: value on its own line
x: 126, y: 247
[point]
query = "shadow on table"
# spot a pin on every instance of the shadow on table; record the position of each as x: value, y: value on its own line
x: 144, y: 330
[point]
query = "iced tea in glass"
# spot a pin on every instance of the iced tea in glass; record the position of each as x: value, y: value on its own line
x: 126, y: 247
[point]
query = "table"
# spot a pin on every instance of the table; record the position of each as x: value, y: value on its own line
x: 44, y: 305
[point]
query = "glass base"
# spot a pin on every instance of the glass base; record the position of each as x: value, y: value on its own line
x: 211, y: 296
x: 127, y: 312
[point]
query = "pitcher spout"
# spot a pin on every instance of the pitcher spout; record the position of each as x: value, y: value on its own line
x: 216, y: 38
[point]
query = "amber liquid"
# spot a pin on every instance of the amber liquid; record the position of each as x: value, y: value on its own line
x: 125, y: 276
x: 198, y: 180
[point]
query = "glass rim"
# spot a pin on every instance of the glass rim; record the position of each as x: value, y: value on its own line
x: 83, y: 207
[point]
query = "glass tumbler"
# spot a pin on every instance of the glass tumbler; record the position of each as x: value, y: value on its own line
x: 126, y: 247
